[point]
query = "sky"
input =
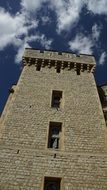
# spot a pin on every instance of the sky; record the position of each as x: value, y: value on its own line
x: 76, y: 26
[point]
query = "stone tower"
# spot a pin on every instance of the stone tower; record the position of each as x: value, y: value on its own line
x: 53, y: 135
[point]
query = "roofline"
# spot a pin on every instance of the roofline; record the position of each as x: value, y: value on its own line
x: 77, y: 54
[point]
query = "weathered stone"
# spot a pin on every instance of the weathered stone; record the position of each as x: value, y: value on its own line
x: 24, y: 157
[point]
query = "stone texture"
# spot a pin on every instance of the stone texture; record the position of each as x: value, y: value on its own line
x: 24, y: 157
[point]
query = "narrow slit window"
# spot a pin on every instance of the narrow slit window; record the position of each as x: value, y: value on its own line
x: 54, y: 136
x: 58, y: 70
x: 56, y: 99
x: 52, y: 183
x: 78, y: 71
x: 38, y: 67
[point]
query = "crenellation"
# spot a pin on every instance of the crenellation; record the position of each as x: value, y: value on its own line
x: 83, y: 62
x: 54, y: 55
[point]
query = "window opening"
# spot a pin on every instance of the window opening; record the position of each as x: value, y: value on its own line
x: 59, y: 53
x: 52, y: 183
x: 54, y: 137
x: 38, y: 67
x: 56, y: 98
x: 78, y: 71
x: 58, y: 70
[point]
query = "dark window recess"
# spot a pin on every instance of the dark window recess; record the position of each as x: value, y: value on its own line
x: 78, y: 71
x: 59, y: 53
x: 38, y: 67
x: 56, y: 98
x: 58, y: 70
x: 54, y: 135
x: 52, y: 183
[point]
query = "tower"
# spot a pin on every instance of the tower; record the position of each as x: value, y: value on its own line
x: 53, y: 133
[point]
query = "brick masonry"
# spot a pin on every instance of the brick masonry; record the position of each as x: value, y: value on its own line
x: 24, y: 157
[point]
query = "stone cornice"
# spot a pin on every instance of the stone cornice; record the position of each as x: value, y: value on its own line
x: 56, y: 59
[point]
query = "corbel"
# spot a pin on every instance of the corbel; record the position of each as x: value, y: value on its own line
x: 69, y: 65
x: 36, y: 61
x: 75, y: 66
x: 62, y: 65
x: 56, y: 64
x: 43, y: 63
x: 81, y: 68
x: 24, y: 61
x: 49, y: 63
x: 88, y: 68
x: 29, y: 62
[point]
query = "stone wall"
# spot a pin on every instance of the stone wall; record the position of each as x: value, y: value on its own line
x: 24, y: 157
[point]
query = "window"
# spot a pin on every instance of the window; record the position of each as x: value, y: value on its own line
x: 78, y: 71
x: 52, y: 183
x: 38, y: 67
x: 54, y: 136
x: 58, y: 70
x: 56, y: 98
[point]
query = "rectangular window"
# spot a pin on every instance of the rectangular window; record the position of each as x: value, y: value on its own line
x: 56, y: 98
x: 38, y: 67
x: 58, y: 70
x: 52, y: 183
x: 78, y: 71
x: 54, y: 136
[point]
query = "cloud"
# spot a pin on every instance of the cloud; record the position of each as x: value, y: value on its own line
x: 97, y: 6
x: 96, y: 31
x: 84, y: 44
x: 19, y: 30
x: 102, y: 58
x: 81, y: 44
x: 32, y: 5
x: 15, y: 30
x: 12, y: 28
x: 20, y: 51
x: 45, y: 20
x: 67, y: 13
x: 40, y: 38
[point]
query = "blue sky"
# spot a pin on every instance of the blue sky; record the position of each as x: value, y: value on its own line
x: 78, y: 26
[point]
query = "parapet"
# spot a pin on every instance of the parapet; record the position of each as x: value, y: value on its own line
x: 59, y: 59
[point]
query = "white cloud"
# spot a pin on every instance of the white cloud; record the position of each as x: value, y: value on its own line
x: 67, y: 12
x: 96, y: 31
x: 84, y: 44
x: 32, y: 5
x: 41, y: 38
x: 81, y: 44
x: 97, y: 6
x: 15, y: 30
x: 13, y: 27
x: 20, y: 51
x: 45, y: 20
x: 102, y: 58
x: 10, y: 27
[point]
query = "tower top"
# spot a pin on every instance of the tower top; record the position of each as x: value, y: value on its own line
x: 64, y: 59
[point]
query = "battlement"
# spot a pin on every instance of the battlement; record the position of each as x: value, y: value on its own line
x: 60, y: 60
